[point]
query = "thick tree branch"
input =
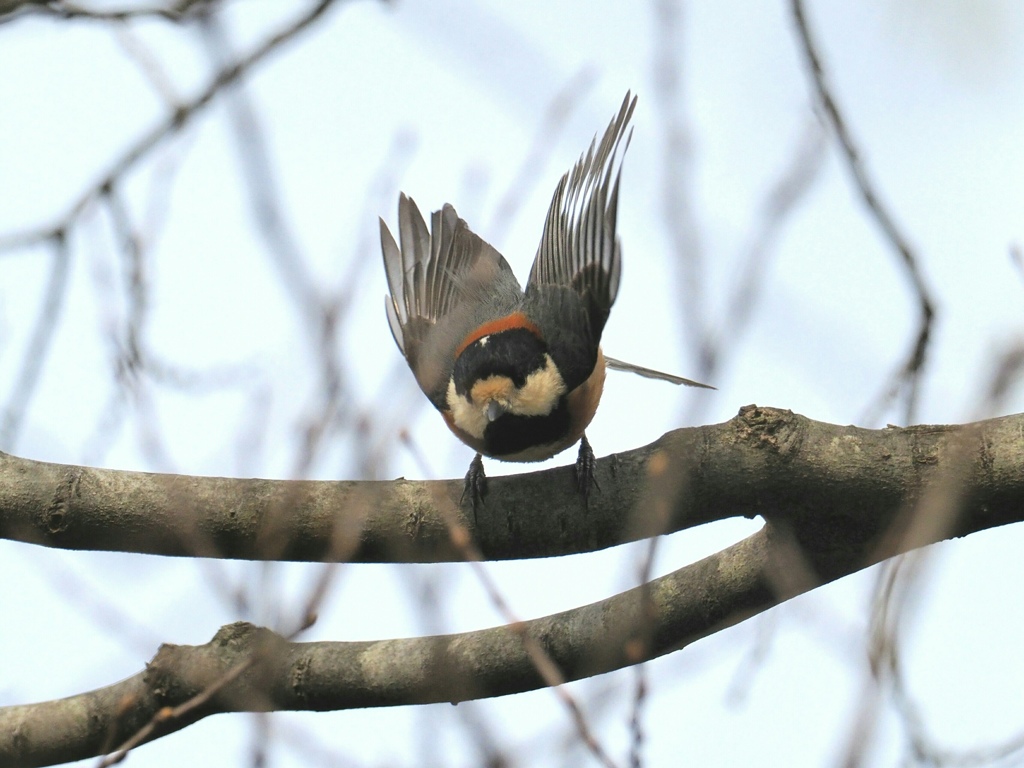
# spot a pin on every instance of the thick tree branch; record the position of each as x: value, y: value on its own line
x: 837, y: 487
x: 835, y: 500
x: 279, y: 675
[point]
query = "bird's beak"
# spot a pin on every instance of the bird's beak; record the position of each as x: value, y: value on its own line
x: 494, y: 410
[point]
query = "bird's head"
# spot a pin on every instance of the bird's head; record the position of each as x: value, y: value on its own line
x: 502, y: 369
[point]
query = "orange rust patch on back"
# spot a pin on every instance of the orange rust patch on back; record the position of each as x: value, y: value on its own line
x: 515, y: 320
x: 583, y: 400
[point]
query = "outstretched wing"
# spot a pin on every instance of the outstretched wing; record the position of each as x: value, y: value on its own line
x: 575, y: 275
x: 444, y: 283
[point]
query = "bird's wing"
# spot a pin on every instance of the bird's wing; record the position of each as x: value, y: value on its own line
x: 575, y: 275
x: 650, y: 373
x: 443, y: 283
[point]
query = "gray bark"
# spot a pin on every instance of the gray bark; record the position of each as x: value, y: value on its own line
x: 834, y: 500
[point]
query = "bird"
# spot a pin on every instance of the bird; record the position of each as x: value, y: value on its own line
x: 517, y: 375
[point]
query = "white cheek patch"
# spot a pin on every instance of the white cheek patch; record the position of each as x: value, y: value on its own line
x: 467, y: 417
x: 537, y: 397
x: 541, y: 392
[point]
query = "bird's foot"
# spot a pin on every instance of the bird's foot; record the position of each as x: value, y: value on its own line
x: 476, y: 484
x: 586, y: 463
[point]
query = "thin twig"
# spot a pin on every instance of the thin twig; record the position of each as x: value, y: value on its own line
x: 541, y: 659
x: 908, y: 378
x: 169, y: 126
x: 679, y: 211
x: 175, y: 12
x: 780, y: 202
x: 169, y: 715
x: 40, y: 342
x: 150, y: 67
x: 261, y: 181
x: 528, y: 173
x: 896, y: 594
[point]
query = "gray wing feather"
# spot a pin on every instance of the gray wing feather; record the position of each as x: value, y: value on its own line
x: 579, y: 247
x: 650, y: 373
x: 443, y: 283
x: 403, y: 267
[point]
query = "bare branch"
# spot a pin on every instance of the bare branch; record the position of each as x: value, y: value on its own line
x: 278, y: 675
x: 545, y: 665
x: 840, y: 488
x: 835, y: 500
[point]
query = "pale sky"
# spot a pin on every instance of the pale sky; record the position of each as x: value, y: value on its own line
x: 444, y: 101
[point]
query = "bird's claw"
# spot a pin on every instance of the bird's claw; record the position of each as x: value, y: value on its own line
x: 586, y: 463
x: 476, y: 484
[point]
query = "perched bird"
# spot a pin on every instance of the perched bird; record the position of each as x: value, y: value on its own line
x: 516, y: 375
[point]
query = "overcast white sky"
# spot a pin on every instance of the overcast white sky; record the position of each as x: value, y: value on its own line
x: 445, y: 100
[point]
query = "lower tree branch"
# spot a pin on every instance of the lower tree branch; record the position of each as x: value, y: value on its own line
x: 835, y: 500
x: 282, y: 675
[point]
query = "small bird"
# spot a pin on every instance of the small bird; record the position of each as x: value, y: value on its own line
x: 516, y: 375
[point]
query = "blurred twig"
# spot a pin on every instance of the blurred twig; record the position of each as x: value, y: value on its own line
x: 283, y: 248
x: 174, y: 11
x: 712, y: 341
x: 89, y: 598
x: 552, y: 122
x: 105, y: 190
x: 169, y: 126
x: 149, y: 65
x: 539, y: 656
x: 907, y: 380
x: 40, y: 342
x: 679, y: 210
x: 776, y: 210
x: 261, y: 181
x: 897, y: 594
x: 1017, y: 259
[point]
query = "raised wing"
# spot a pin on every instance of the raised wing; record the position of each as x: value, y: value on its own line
x: 444, y: 283
x: 579, y: 248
